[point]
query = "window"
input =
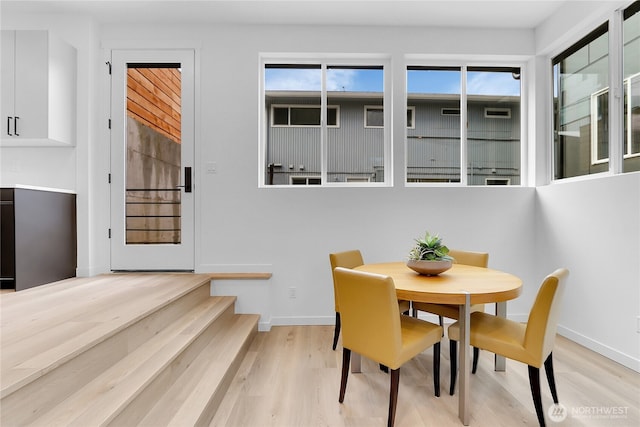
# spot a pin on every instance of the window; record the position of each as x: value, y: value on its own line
x: 305, y: 180
x: 631, y: 72
x: 585, y: 113
x: 438, y: 142
x: 600, y: 127
x: 313, y: 114
x: 450, y: 111
x: 302, y: 115
x: 411, y: 114
x: 497, y: 113
x: 373, y: 117
x: 581, y: 74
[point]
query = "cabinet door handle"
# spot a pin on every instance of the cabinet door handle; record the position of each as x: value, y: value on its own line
x: 9, y: 126
x: 15, y: 125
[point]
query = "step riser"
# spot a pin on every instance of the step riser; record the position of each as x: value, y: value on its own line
x: 139, y: 406
x: 30, y: 401
x: 207, y: 415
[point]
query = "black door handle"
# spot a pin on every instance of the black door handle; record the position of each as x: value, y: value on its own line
x: 15, y: 125
x: 9, y: 126
x: 187, y: 180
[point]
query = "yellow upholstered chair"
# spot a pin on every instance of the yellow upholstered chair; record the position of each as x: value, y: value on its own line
x: 349, y: 259
x: 476, y: 259
x: 530, y: 343
x: 374, y: 328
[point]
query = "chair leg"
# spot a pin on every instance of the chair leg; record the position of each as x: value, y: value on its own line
x: 384, y: 368
x: 476, y: 355
x: 534, y: 382
x: 346, y: 359
x: 548, y: 367
x: 393, y: 396
x: 436, y: 368
x: 453, y: 356
x: 336, y: 332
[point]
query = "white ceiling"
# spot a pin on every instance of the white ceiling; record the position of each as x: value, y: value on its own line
x: 441, y: 13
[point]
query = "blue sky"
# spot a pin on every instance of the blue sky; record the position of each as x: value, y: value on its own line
x: 418, y: 81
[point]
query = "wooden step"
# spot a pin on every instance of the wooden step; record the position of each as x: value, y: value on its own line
x: 121, y: 349
x: 173, y: 349
x: 192, y: 398
x: 57, y: 338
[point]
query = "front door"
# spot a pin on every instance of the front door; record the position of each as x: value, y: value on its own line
x: 152, y: 154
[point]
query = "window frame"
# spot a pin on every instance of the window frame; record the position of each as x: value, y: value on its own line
x: 290, y: 106
x: 326, y: 61
x: 487, y: 110
x: 617, y: 137
x: 414, y: 61
x: 366, y: 109
x: 411, y: 109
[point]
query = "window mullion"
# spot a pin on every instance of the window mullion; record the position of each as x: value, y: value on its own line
x: 323, y: 126
x: 616, y: 94
x: 463, y: 126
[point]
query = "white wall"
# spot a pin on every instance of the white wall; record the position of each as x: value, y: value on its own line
x: 591, y: 226
x: 290, y: 232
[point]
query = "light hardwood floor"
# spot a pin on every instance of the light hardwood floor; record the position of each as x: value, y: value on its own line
x: 291, y: 377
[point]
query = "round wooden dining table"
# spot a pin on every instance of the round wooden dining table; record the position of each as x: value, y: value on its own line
x: 462, y: 285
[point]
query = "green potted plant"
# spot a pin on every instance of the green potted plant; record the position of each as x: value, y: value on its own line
x: 429, y: 256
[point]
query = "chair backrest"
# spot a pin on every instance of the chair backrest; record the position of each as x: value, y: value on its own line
x: 476, y: 259
x: 346, y: 259
x: 543, y: 318
x: 370, y: 314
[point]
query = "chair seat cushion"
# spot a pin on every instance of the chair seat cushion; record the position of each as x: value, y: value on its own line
x: 497, y: 335
x: 444, y: 310
x: 417, y: 336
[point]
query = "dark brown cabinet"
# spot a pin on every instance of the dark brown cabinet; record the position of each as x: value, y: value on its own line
x: 38, y: 237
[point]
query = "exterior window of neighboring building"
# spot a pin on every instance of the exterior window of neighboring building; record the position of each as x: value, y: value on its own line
x: 305, y: 115
x: 482, y: 152
x: 581, y: 113
x: 373, y: 117
x: 631, y: 59
x: 497, y: 113
x: 313, y: 115
x: 411, y: 113
x: 305, y: 180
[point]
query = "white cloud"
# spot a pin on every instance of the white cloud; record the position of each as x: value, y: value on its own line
x: 481, y: 83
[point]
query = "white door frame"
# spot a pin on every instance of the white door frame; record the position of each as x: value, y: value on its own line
x: 155, y: 257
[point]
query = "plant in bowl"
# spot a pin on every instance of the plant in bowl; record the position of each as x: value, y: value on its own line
x: 429, y: 256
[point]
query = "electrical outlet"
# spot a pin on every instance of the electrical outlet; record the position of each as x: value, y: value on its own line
x: 292, y: 292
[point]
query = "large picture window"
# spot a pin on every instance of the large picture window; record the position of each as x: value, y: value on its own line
x: 584, y: 108
x: 313, y: 131
x: 581, y: 77
x: 484, y: 152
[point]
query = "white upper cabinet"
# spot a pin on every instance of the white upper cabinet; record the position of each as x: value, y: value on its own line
x: 38, y: 90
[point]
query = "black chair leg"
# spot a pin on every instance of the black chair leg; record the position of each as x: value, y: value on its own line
x: 384, y: 368
x: 453, y: 356
x: 336, y: 332
x: 436, y: 368
x: 476, y: 354
x: 548, y: 367
x: 393, y: 396
x: 534, y: 382
x: 346, y: 359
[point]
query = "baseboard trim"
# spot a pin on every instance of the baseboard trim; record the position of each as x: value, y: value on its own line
x: 600, y: 348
